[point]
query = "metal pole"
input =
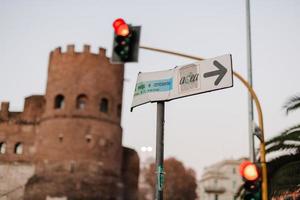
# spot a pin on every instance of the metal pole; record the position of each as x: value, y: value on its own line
x: 160, y: 121
x: 264, y: 185
x: 250, y: 101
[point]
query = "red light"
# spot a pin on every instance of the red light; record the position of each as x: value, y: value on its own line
x: 249, y: 170
x: 121, y: 28
x: 118, y: 22
x: 243, y: 165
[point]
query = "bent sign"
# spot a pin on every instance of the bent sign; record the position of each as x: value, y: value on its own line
x: 199, y: 77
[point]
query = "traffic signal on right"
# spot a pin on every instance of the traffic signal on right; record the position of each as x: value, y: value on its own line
x: 126, y: 42
x: 252, y: 180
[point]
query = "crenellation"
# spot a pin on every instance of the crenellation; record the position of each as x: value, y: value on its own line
x: 4, y: 110
x: 70, y: 49
x: 87, y: 49
x: 57, y: 51
x: 102, y: 52
x: 33, y: 108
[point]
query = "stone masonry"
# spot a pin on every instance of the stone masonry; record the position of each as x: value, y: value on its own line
x: 71, y: 136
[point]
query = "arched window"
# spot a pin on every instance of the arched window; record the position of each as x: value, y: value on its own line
x: 59, y: 102
x: 2, y: 147
x: 81, y: 101
x: 104, y: 105
x: 19, y: 148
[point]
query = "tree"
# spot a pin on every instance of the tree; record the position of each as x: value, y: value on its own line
x: 288, y: 140
x: 292, y: 104
x: 180, y: 183
x: 284, y: 170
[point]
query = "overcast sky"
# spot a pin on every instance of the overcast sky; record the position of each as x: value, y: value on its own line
x: 199, y: 130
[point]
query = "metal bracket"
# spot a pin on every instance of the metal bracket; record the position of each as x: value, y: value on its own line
x: 257, y: 133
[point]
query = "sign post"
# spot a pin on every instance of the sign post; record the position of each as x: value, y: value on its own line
x: 160, y: 120
x: 195, y: 78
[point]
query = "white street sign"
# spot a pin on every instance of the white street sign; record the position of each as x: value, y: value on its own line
x: 199, y: 77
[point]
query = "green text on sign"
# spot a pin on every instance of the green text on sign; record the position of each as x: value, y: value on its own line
x: 163, y: 85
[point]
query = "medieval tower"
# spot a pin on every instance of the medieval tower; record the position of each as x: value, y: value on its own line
x: 76, y: 145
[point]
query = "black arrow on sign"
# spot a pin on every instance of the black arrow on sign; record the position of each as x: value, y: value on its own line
x: 220, y: 72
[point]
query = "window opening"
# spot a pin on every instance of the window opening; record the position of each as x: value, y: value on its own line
x: 59, y: 102
x: 61, y: 138
x: 104, y: 105
x: 19, y: 148
x: 2, y: 148
x: 88, y: 138
x: 233, y: 185
x: 81, y: 101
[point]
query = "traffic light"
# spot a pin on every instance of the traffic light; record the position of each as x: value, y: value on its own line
x: 252, y: 180
x: 126, y: 42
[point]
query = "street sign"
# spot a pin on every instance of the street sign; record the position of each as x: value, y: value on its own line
x: 199, y: 77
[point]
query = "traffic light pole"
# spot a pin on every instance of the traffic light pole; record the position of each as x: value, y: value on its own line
x: 250, y: 100
x: 259, y: 112
x: 160, y: 121
x: 262, y: 148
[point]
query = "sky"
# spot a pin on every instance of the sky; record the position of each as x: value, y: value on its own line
x: 199, y: 130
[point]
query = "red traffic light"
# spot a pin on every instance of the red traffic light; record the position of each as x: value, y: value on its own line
x: 249, y: 171
x: 121, y: 28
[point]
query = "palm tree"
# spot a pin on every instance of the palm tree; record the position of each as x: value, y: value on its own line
x: 283, y: 171
x: 289, y: 139
x: 292, y: 104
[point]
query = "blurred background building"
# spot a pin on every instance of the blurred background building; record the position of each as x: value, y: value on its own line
x: 220, y: 181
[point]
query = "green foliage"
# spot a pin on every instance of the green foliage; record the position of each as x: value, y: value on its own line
x: 292, y: 104
x: 284, y: 171
x: 284, y: 174
x: 289, y: 139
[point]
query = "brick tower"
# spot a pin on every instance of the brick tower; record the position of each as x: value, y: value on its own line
x: 78, y: 145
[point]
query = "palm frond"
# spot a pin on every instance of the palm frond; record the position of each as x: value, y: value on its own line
x: 282, y: 147
x: 292, y: 130
x: 292, y: 104
x: 293, y: 136
x: 288, y: 140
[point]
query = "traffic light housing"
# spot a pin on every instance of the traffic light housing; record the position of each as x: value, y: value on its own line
x: 125, y: 42
x: 252, y: 180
